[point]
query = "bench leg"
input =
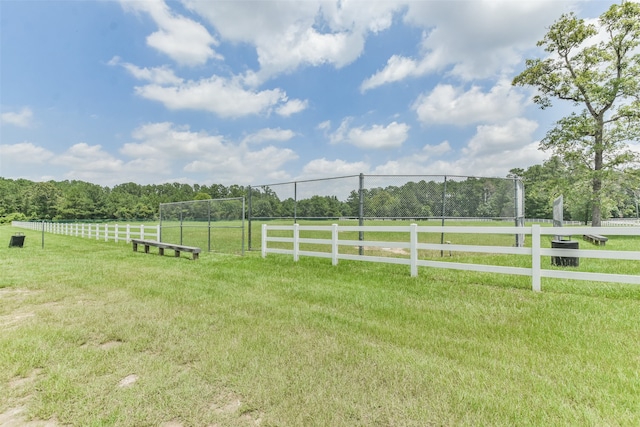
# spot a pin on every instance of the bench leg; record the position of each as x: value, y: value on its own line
x: 146, y: 249
x: 135, y: 247
x: 177, y: 253
x: 195, y: 255
x: 161, y: 251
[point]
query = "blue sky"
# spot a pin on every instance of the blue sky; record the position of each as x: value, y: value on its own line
x: 259, y: 92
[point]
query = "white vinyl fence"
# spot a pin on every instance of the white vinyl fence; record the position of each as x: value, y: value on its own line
x: 106, y: 232
x: 535, y: 251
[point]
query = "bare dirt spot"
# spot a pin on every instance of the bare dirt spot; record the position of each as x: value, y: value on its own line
x: 172, y: 424
x: 15, y: 292
x: 128, y: 381
x: 15, y: 417
x: 397, y: 251
x: 22, y: 381
x: 109, y: 345
x: 229, y: 405
x: 13, y: 320
x: 226, y: 403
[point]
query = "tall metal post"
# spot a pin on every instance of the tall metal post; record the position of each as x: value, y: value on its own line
x: 181, y: 224
x: 249, y: 217
x: 516, y: 210
x: 361, y: 211
x: 295, y: 202
x: 209, y: 226
x: 444, y: 211
x: 160, y: 217
x: 243, y: 226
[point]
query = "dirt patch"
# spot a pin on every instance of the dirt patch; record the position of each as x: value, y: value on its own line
x: 229, y: 405
x: 15, y: 319
x: 109, y: 345
x: 226, y: 403
x: 397, y: 251
x: 16, y: 417
x: 128, y: 381
x: 22, y: 381
x: 15, y: 292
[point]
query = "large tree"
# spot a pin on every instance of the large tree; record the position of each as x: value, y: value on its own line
x: 595, y: 67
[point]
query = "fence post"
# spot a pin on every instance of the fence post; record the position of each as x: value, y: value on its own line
x: 128, y: 235
x: 158, y: 232
x: 295, y: 202
x: 361, y: 211
x: 264, y: 240
x: 116, y: 234
x: 106, y: 232
x: 296, y: 242
x: 444, y: 211
x: 334, y: 244
x: 414, y: 250
x: 249, y: 196
x: 142, y: 232
x: 535, y: 257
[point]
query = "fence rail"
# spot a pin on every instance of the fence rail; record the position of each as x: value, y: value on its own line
x: 106, y: 232
x: 412, y: 245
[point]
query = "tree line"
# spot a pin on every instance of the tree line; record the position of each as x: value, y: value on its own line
x: 22, y: 199
x: 471, y: 197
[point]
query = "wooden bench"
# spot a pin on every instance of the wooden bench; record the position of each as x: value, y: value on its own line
x: 596, y: 239
x: 162, y: 246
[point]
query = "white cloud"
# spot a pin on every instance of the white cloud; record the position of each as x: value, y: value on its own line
x: 398, y: 68
x: 376, y: 137
x: 24, y: 152
x: 446, y: 104
x: 212, y: 156
x: 166, y: 141
x: 224, y: 97
x: 501, y: 139
x: 292, y: 107
x: 157, y: 75
x: 185, y: 41
x: 290, y: 34
x: 479, y: 39
x: 324, y: 126
x: 83, y: 157
x: 491, y: 152
x: 21, y: 118
x: 437, y: 150
x: 269, y: 134
x: 322, y: 168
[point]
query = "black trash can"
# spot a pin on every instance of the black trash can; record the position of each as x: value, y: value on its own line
x: 17, y: 240
x: 562, y: 261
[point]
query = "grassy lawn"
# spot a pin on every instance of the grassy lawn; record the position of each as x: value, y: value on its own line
x: 96, y: 335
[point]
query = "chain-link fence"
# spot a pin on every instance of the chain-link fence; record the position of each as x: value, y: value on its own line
x: 215, y: 224
x: 385, y: 197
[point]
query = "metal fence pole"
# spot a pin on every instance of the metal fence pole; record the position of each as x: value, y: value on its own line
x: 209, y: 226
x: 361, y: 211
x: 249, y: 217
x: 516, y: 208
x: 295, y: 202
x: 444, y: 211
x: 180, y: 224
x: 243, y: 226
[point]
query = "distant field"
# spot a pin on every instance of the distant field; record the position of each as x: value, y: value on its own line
x: 94, y: 334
